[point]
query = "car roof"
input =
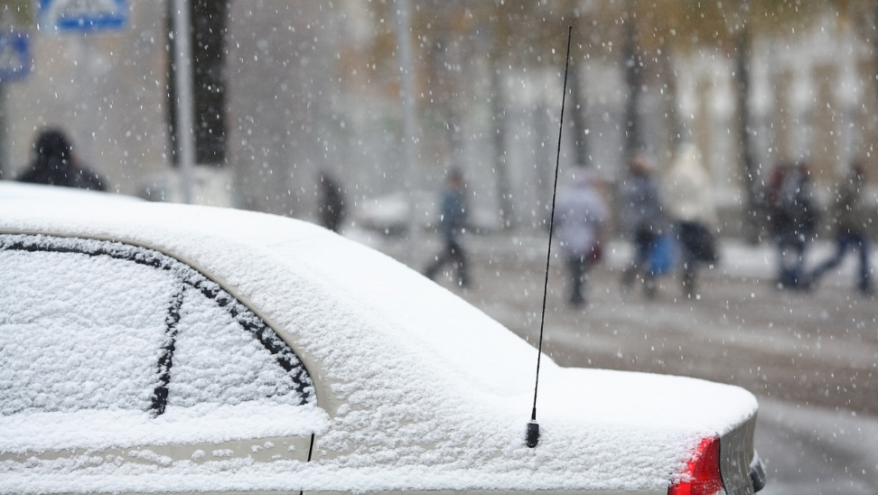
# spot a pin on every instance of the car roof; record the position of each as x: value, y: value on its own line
x: 380, y: 337
x: 20, y: 190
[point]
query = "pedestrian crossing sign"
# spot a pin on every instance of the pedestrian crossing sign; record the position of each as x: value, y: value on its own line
x: 14, y: 57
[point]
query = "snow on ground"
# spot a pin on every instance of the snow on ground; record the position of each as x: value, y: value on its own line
x: 739, y: 259
x: 818, y: 441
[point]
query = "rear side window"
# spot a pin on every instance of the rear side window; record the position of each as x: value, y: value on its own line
x: 237, y: 368
x: 88, y: 324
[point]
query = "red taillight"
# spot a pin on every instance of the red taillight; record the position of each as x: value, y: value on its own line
x: 702, y: 476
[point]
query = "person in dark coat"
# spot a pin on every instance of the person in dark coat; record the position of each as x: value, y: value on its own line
x: 452, y: 223
x: 794, y: 218
x: 851, y: 218
x: 55, y: 164
x: 644, y: 220
x: 332, y: 207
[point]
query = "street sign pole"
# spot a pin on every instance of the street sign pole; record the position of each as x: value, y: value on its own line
x: 87, y: 101
x: 15, y: 64
x: 409, y: 129
x: 5, y: 169
x: 183, y: 87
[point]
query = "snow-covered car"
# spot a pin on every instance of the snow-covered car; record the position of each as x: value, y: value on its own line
x: 389, y: 214
x: 152, y: 347
x: 17, y: 190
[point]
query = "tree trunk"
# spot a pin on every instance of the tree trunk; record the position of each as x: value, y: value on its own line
x: 412, y: 179
x: 749, y: 167
x: 542, y: 160
x: 578, y: 104
x: 450, y: 88
x: 498, y: 110
x: 631, y: 59
x: 672, y: 114
x: 875, y: 45
x: 6, y: 172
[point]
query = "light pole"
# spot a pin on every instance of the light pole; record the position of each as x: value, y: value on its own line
x: 183, y: 86
x: 409, y: 126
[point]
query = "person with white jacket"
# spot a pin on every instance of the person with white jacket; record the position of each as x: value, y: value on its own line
x: 690, y: 205
x: 580, y: 214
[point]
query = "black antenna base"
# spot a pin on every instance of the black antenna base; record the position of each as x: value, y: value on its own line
x: 532, y: 437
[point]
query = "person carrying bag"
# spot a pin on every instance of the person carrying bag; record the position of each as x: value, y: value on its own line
x: 643, y: 220
x: 689, y: 199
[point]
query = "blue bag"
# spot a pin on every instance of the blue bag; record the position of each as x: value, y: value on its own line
x: 663, y: 255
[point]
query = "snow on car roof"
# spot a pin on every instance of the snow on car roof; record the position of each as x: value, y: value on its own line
x: 18, y: 190
x: 427, y: 390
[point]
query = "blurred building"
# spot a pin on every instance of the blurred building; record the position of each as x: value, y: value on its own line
x: 108, y: 91
x: 308, y: 86
x: 812, y: 98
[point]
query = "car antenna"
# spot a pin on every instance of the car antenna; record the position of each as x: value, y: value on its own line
x: 532, y: 437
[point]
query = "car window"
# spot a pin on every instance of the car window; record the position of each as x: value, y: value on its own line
x: 79, y: 331
x: 217, y: 360
x: 90, y: 324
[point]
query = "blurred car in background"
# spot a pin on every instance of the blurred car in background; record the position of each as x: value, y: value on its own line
x: 389, y: 214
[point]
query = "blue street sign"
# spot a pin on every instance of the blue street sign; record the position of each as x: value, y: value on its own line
x: 64, y: 16
x: 14, y: 57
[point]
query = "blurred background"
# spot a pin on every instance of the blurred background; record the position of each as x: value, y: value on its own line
x: 283, y: 90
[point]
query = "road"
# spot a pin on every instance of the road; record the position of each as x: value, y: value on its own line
x: 810, y: 358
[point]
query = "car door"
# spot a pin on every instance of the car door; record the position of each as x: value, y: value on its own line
x: 129, y: 354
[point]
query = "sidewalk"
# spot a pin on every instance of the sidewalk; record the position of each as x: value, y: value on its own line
x: 737, y: 258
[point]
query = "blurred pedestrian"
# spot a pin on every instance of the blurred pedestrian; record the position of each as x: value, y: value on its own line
x: 54, y: 163
x: 452, y: 224
x: 643, y: 220
x: 331, y: 207
x: 689, y: 199
x: 580, y: 214
x: 794, y: 219
x: 850, y: 217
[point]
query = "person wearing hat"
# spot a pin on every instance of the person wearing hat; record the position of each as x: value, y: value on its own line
x: 331, y: 207
x: 55, y: 164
